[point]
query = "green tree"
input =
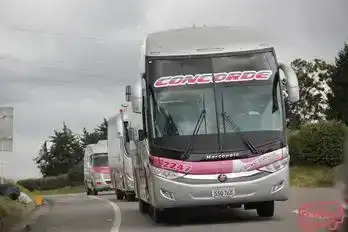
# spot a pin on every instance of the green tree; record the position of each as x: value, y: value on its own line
x: 311, y: 106
x: 43, y: 158
x: 88, y: 137
x: 338, y: 83
x: 64, y: 154
x: 99, y: 133
x: 102, y: 130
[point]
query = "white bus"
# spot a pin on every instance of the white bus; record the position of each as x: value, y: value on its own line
x: 120, y: 148
x: 96, y: 168
x: 213, y: 121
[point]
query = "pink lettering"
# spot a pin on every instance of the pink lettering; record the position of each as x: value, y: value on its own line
x: 263, y: 75
x: 220, y: 77
x: 177, y: 80
x: 162, y: 82
x: 248, y: 75
x: 206, y: 78
x: 189, y: 79
x: 233, y: 76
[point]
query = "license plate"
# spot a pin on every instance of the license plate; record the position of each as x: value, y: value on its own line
x: 223, y: 192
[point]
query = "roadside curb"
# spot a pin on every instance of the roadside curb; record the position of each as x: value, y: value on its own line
x: 9, y: 221
x: 19, y: 224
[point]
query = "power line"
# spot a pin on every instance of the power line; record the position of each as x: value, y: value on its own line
x: 88, y: 75
x: 46, y: 32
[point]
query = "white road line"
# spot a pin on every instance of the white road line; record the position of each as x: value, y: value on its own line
x: 117, y: 213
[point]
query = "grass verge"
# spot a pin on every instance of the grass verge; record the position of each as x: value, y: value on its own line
x: 9, y: 207
x: 65, y: 190
x: 312, y: 176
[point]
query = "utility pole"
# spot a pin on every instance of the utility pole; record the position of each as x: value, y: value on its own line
x: 3, y: 165
x: 6, y: 136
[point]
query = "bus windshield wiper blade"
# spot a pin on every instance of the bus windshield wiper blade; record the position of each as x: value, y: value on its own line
x: 237, y: 130
x: 188, y: 148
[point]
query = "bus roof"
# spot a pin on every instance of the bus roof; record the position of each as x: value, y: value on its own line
x: 100, y: 147
x: 204, y: 40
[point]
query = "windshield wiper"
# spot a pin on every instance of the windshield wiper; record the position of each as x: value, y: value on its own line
x: 237, y: 130
x: 170, y: 127
x: 188, y: 148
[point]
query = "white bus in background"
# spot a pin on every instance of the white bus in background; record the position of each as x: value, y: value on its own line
x: 120, y: 148
x: 96, y: 168
x: 213, y: 121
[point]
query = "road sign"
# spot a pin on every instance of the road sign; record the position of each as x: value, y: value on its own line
x: 6, y: 129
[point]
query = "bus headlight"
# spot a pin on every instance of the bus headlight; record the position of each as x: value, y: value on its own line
x: 166, y: 173
x: 276, y: 166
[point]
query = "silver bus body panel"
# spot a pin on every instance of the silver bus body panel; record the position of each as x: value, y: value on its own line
x: 119, y: 161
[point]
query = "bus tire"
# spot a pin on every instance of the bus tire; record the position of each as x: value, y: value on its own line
x: 95, y: 192
x: 265, y: 209
x: 143, y: 206
x: 119, y: 194
x: 88, y: 190
x: 130, y: 197
x: 156, y: 215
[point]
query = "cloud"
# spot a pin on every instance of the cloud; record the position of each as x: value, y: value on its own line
x: 64, y: 60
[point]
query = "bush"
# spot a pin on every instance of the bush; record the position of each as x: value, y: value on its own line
x: 46, y: 183
x: 30, y: 184
x: 318, y: 144
x: 76, y: 175
x: 73, y: 178
x: 53, y: 182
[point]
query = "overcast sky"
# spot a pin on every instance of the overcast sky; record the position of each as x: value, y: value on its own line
x: 68, y: 60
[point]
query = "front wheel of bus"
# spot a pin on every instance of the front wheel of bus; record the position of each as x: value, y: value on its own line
x: 143, y: 206
x: 265, y: 209
x: 119, y: 194
x: 156, y: 214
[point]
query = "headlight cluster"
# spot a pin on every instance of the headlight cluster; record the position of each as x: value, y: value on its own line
x: 166, y: 173
x: 276, y: 166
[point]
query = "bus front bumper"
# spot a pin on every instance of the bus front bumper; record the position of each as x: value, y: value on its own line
x: 172, y: 193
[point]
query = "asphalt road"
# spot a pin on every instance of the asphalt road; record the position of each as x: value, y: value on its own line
x: 103, y: 213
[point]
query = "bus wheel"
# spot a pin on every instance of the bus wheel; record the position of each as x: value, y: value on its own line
x: 88, y: 190
x: 119, y: 194
x: 95, y: 192
x: 156, y: 214
x: 143, y: 206
x: 130, y: 197
x: 265, y: 209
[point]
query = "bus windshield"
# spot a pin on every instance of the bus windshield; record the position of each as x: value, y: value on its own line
x: 244, y: 87
x: 100, y: 160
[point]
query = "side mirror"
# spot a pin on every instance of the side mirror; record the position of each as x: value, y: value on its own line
x: 119, y: 126
x: 128, y: 93
x: 291, y: 82
x: 137, y: 97
x: 141, y: 134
